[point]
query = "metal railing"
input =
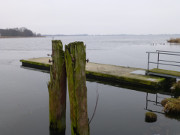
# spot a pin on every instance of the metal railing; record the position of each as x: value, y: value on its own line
x: 163, y: 61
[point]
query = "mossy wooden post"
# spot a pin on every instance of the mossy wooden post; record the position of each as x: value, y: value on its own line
x: 75, y: 56
x: 57, y: 89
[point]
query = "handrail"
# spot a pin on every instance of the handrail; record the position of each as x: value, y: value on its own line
x: 164, y: 53
x: 169, y: 61
x: 160, y: 61
x: 167, y: 51
x: 164, y: 64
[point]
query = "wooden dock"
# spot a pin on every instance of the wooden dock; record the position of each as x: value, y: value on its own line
x: 164, y: 73
x: 104, y: 72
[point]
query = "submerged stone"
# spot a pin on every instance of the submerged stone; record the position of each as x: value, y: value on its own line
x: 150, y: 117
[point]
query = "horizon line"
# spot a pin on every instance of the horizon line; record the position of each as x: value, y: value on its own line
x: 104, y: 34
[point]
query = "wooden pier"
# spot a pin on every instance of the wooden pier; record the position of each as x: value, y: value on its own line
x: 104, y: 72
x: 164, y: 73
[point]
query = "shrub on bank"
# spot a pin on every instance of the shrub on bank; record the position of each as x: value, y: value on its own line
x: 174, y: 40
x: 171, y: 105
x: 176, y: 89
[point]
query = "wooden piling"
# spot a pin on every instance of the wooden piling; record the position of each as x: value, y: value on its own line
x: 75, y: 57
x: 57, y: 89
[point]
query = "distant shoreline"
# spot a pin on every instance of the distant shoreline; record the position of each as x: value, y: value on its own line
x: 21, y: 37
x: 111, y: 35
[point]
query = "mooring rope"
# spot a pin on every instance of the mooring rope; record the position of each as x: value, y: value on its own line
x: 97, y: 99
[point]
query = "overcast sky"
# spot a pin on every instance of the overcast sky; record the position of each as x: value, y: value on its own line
x: 92, y: 16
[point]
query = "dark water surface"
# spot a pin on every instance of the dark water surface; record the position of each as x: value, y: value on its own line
x: 24, y: 97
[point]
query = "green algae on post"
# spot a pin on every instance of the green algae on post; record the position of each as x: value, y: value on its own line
x: 75, y: 57
x: 57, y: 89
x: 150, y: 117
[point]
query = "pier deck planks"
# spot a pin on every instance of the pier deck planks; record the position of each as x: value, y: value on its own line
x: 164, y: 73
x: 105, y: 72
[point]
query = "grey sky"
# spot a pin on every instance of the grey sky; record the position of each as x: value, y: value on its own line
x: 92, y: 16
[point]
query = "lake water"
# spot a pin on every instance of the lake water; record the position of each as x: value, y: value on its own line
x: 24, y: 97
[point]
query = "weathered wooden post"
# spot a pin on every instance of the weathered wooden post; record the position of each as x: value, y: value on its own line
x: 57, y: 89
x: 75, y: 57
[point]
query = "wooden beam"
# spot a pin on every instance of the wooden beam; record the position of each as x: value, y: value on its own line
x: 57, y: 89
x: 75, y: 57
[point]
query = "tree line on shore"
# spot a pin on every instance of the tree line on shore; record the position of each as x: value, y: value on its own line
x: 18, y: 32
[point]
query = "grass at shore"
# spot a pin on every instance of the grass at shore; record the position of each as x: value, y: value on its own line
x: 174, y: 40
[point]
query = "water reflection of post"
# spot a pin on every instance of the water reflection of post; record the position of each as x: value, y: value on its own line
x: 75, y: 55
x: 57, y: 90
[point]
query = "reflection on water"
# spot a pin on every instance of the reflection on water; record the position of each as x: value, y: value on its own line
x: 156, y: 102
x: 24, y: 97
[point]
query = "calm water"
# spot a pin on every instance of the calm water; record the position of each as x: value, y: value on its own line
x: 24, y: 99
